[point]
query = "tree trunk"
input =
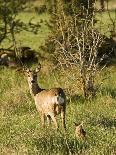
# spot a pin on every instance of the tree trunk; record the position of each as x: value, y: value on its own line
x: 102, y: 5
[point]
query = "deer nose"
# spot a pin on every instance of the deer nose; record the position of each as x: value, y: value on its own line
x: 32, y: 81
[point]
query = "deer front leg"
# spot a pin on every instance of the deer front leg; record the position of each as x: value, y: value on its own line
x: 55, y: 121
x: 49, y: 120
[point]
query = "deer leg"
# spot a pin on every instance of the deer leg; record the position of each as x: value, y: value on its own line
x: 55, y: 121
x: 43, y: 119
x: 49, y: 119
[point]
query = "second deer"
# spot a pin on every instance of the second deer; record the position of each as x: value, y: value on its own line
x: 49, y: 102
x: 79, y: 131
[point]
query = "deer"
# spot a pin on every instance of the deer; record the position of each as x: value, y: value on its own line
x: 79, y: 131
x: 49, y: 102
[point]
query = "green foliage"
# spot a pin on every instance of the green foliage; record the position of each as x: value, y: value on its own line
x: 41, y: 9
x: 70, y: 7
x: 8, y: 12
x: 30, y: 36
x: 68, y: 19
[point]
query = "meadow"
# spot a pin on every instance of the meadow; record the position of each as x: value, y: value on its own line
x: 21, y: 132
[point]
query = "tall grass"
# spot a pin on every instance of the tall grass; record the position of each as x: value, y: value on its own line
x: 21, y: 131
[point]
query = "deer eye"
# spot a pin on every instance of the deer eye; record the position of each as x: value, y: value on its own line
x: 35, y: 75
x: 28, y: 74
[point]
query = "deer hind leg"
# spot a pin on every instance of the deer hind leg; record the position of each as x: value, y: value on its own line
x: 54, y: 121
x: 43, y: 119
x: 49, y: 120
x: 63, y: 117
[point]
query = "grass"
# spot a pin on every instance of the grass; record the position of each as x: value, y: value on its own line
x: 20, y: 127
x: 28, y: 37
x: 104, y: 23
x: 21, y: 131
x: 111, y: 5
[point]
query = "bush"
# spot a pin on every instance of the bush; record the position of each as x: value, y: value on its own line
x: 41, y: 9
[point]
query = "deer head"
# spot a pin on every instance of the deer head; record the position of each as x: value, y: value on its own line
x: 32, y: 79
x: 32, y: 74
x: 79, y: 131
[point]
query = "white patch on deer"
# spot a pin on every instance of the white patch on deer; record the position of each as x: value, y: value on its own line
x: 58, y: 100
x: 54, y: 99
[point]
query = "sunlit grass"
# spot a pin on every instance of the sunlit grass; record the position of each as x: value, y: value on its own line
x: 28, y: 37
x: 21, y: 131
x: 104, y: 22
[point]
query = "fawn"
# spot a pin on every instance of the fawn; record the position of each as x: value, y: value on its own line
x: 49, y: 102
x: 79, y: 131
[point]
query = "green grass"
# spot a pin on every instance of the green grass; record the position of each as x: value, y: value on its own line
x: 27, y: 37
x: 21, y: 131
x: 111, y: 5
x: 104, y: 23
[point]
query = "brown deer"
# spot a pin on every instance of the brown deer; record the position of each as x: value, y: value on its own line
x: 79, y: 131
x: 49, y: 102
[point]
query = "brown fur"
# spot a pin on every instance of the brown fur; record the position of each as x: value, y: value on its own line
x: 79, y: 131
x: 49, y: 102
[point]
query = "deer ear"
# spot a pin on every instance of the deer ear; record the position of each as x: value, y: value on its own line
x: 27, y: 70
x: 38, y: 68
x: 22, y: 70
x: 75, y: 124
x: 82, y: 123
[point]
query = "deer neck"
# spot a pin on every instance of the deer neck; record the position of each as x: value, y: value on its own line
x: 34, y: 89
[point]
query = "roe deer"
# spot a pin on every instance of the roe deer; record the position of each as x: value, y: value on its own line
x: 79, y: 131
x: 49, y: 102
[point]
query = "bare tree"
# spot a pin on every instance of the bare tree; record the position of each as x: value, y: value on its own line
x: 77, y: 43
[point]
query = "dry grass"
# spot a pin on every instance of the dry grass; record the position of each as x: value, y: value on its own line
x: 111, y: 5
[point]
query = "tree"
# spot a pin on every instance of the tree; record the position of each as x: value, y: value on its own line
x: 10, y: 25
x: 70, y: 6
x: 9, y: 9
x: 76, y: 43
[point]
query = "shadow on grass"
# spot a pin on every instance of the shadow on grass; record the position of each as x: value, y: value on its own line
x: 52, y: 144
x: 107, y: 123
x: 76, y: 98
x: 109, y: 91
